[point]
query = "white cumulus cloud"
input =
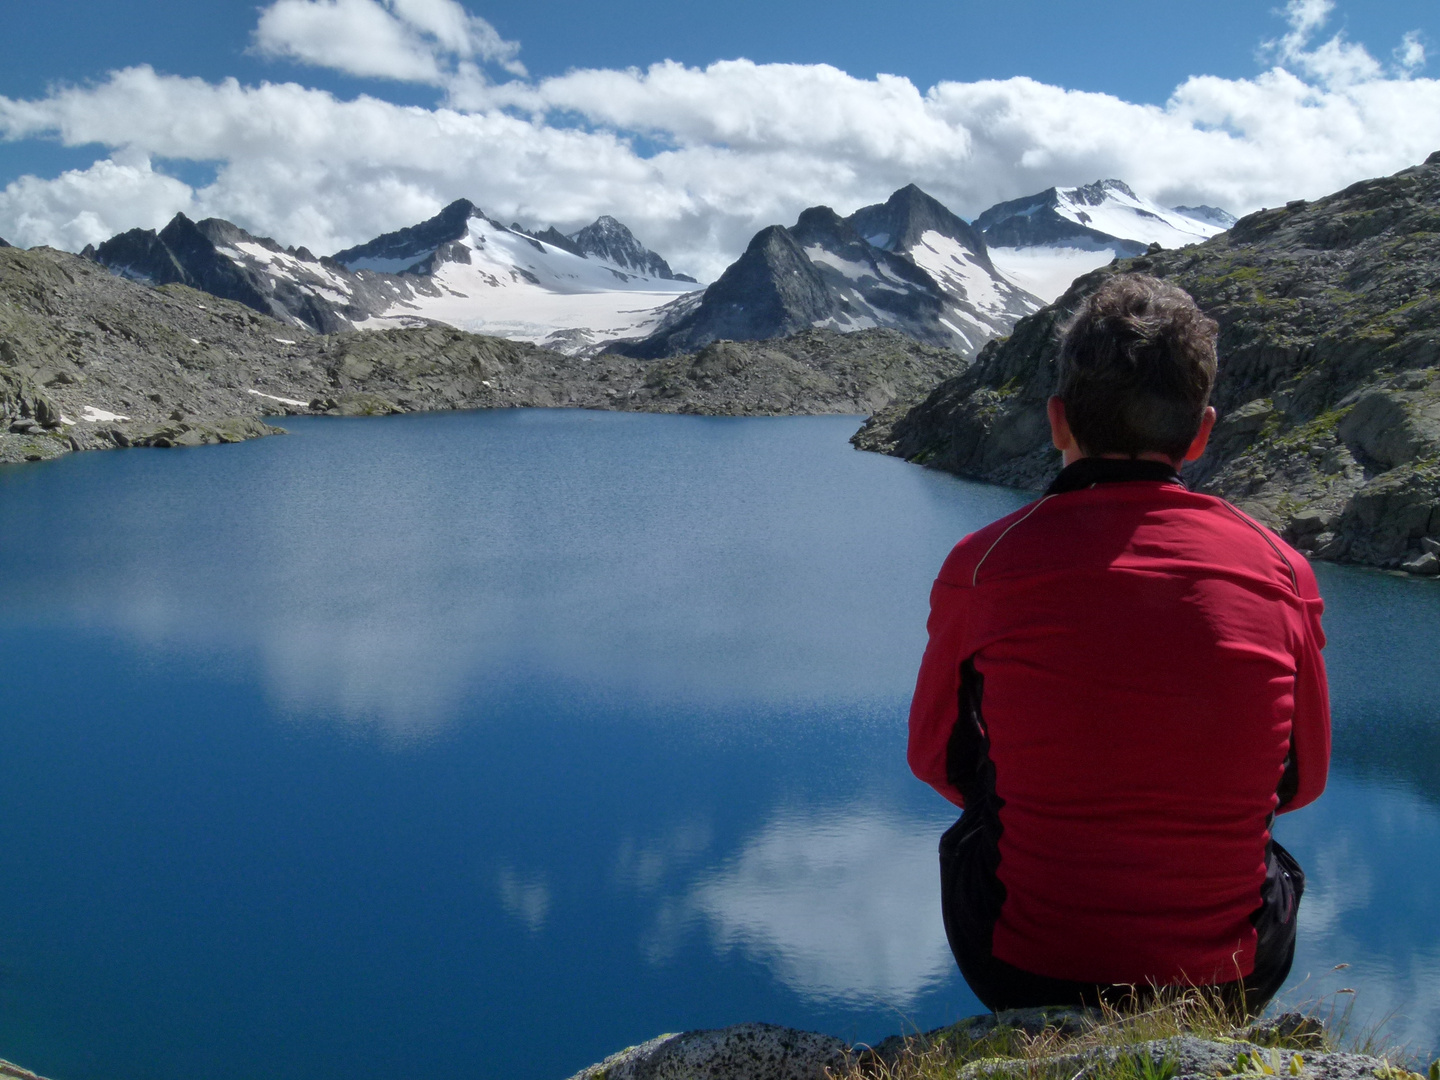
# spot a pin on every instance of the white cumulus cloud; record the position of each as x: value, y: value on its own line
x: 86, y: 206
x: 1410, y: 53
x: 426, y: 41
x: 1336, y: 61
x: 694, y: 159
x: 841, y: 908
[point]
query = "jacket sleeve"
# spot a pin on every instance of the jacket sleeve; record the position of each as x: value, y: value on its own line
x: 936, y: 705
x: 1310, y: 727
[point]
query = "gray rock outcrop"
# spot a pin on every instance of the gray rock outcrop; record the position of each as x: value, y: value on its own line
x: 742, y: 1052
x: 1001, y: 1046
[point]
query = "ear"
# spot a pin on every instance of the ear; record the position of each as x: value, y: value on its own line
x: 1060, y: 434
x: 1202, y: 437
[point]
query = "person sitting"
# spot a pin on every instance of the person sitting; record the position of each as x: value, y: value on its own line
x: 1123, y: 685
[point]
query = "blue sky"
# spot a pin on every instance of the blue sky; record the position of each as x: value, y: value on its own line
x: 63, y: 150
x: 1139, y: 50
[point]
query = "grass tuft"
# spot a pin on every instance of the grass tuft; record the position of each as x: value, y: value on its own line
x: 1132, y: 1041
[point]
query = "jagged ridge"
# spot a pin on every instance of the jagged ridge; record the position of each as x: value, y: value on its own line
x: 908, y: 264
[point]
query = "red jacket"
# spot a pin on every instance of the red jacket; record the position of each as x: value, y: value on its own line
x: 1150, y: 658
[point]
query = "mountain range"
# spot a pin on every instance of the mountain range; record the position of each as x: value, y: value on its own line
x: 460, y: 268
x: 907, y: 264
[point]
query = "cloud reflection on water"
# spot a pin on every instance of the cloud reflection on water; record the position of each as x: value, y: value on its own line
x: 842, y: 907
x: 385, y: 573
x: 524, y: 896
x: 1369, y: 905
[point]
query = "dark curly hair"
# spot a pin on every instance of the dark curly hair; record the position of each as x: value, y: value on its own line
x: 1137, y: 363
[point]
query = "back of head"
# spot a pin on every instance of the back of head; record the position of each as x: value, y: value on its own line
x: 1137, y: 362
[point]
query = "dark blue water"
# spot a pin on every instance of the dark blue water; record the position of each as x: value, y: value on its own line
x: 481, y: 745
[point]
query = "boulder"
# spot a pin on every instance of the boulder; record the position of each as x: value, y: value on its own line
x: 23, y: 403
x: 742, y: 1052
x: 1426, y: 565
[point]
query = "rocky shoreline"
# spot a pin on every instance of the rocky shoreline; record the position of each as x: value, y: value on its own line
x: 89, y: 360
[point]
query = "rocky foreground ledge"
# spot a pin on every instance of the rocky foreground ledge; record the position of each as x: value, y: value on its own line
x: 1022, y: 1044
x: 1025, y: 1044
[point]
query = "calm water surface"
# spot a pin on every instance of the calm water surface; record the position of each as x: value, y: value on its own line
x: 481, y: 745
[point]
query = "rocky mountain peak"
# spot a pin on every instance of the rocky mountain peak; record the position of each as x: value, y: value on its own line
x: 608, y: 239
x: 3, y: 244
x: 773, y: 289
x: 414, y: 242
x: 606, y: 226
x: 224, y: 233
x: 820, y: 224
x: 1104, y: 216
x: 188, y: 247
x: 907, y: 264
x: 551, y: 236
x: 182, y: 253
x: 139, y: 254
x: 901, y: 221
x: 1097, y: 193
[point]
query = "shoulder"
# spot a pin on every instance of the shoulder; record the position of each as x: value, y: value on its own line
x: 1261, y: 544
x: 967, y: 556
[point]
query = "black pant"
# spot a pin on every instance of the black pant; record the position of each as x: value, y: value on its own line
x: 971, y: 895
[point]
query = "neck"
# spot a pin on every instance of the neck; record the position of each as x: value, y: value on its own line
x: 1074, y: 454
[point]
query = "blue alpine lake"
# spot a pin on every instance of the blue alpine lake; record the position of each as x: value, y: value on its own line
x: 485, y: 744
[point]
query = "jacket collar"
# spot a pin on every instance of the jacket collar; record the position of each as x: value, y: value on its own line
x: 1089, y: 471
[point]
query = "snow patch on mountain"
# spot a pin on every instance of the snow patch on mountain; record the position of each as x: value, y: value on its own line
x: 310, y: 273
x: 959, y: 272
x: 1110, y: 207
x: 495, y: 280
x: 1040, y: 239
x: 1048, y: 271
x: 1210, y: 215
